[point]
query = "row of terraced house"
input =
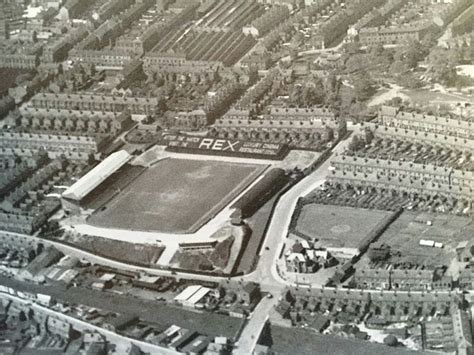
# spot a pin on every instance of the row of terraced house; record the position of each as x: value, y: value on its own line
x: 406, y: 177
x: 456, y: 133
x: 61, y: 120
x: 299, y: 127
x: 94, y: 102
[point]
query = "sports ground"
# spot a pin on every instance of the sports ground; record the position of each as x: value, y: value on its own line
x: 338, y: 226
x: 404, y: 236
x: 176, y: 196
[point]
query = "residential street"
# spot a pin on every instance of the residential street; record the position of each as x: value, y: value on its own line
x: 266, y: 273
x: 250, y: 334
x: 212, y: 324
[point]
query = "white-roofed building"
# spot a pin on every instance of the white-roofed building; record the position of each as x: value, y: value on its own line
x: 192, y: 295
x: 197, y: 297
x: 80, y: 189
x: 187, y: 293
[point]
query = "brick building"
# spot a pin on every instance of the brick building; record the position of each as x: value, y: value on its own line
x: 392, y: 35
x: 61, y: 120
x: 74, y: 147
x: 404, y: 177
x: 20, y: 55
x: 175, y: 67
x: 93, y: 102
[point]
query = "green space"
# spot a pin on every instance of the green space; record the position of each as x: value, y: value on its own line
x: 215, y: 259
x: 133, y: 253
x: 404, y: 235
x: 285, y: 341
x: 338, y: 226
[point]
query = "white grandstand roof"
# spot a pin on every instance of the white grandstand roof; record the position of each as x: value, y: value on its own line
x: 96, y: 176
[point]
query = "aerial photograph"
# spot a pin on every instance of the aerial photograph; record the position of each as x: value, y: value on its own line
x: 236, y: 177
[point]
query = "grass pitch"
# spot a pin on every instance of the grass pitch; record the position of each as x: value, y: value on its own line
x: 337, y: 226
x: 404, y: 235
x: 176, y: 196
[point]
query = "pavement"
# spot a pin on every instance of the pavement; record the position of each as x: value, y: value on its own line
x: 266, y: 273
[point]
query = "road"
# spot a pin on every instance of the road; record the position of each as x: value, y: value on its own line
x: 266, y: 273
x: 250, y: 334
x: 96, y: 259
x: 446, y: 37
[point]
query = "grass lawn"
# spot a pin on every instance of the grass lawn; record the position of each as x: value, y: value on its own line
x: 305, y: 342
x: 142, y: 254
x: 215, y: 259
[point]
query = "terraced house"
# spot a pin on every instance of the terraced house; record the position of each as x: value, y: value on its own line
x: 454, y: 132
x: 60, y: 120
x: 405, y: 177
x: 92, y: 102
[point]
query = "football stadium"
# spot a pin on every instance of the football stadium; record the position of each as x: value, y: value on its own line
x: 172, y: 196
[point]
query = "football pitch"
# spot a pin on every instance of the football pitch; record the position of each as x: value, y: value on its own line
x: 176, y: 196
x: 338, y: 226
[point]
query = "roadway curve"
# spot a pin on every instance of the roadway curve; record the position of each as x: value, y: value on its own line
x: 266, y: 272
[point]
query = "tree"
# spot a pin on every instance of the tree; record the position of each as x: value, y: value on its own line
x: 351, y: 48
x: 390, y: 340
x: 397, y: 101
x: 413, y: 54
x: 442, y: 67
x: 428, y: 42
x: 376, y: 50
x: 369, y: 135
x: 313, y: 95
x: 364, y: 86
x: 331, y: 83
x: 355, y: 144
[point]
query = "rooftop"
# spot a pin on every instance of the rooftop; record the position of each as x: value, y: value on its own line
x: 97, y: 175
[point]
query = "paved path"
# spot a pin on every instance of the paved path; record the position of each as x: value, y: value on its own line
x: 266, y: 273
x: 96, y: 259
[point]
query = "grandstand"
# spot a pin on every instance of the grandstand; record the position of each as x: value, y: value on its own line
x: 76, y: 193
